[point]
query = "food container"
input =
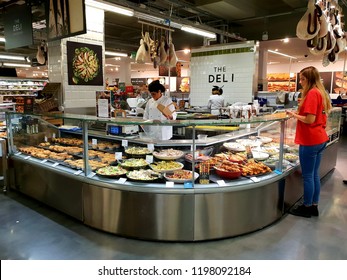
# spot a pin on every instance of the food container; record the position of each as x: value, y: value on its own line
x: 202, y: 137
x: 227, y: 174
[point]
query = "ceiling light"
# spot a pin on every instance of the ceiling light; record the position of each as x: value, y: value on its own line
x: 199, y: 32
x: 15, y: 64
x: 11, y: 57
x: 110, y: 7
x: 116, y: 54
x: 283, y: 54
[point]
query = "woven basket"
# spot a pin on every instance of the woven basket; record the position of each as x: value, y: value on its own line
x: 47, y: 105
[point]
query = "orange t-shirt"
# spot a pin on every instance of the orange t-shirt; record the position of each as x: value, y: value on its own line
x: 312, y: 134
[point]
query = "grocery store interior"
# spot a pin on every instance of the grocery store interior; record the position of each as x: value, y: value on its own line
x: 82, y: 176
x: 31, y: 230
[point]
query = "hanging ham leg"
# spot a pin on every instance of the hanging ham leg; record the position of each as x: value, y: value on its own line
x: 308, y: 26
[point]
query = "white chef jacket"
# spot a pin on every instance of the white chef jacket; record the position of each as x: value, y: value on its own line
x: 152, y: 113
x: 215, y: 103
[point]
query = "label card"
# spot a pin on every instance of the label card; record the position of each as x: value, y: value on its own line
x: 149, y: 158
x: 94, y: 141
x: 122, y: 180
x: 169, y: 184
x: 125, y: 143
x: 150, y: 147
x: 118, y: 155
x: 221, y: 183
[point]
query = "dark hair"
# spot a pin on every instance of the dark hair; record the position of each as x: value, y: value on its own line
x: 217, y: 90
x: 155, y: 86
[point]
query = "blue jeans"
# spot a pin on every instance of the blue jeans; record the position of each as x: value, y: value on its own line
x: 310, y: 159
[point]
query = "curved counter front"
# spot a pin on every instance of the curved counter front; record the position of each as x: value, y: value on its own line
x: 154, y: 213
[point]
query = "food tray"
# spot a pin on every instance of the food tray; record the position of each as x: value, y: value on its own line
x: 177, y: 180
x: 179, y: 166
x: 160, y: 155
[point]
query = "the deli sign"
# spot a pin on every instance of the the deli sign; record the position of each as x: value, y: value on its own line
x: 220, y: 75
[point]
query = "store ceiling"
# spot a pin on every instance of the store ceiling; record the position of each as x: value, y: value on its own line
x: 232, y: 20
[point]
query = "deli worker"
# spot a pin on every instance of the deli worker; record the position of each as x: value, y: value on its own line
x: 153, y: 113
x: 216, y: 100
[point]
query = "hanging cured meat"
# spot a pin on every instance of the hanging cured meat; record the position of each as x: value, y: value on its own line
x: 308, y: 26
x: 142, y: 54
x: 52, y: 27
x: 172, y: 54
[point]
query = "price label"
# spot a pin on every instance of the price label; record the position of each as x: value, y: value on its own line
x: 125, y: 143
x: 118, y: 155
x: 94, y: 141
x: 149, y: 158
x: 78, y: 172
x: 221, y: 183
x: 91, y: 175
x: 53, y: 135
x: 122, y: 180
x: 46, y: 139
x: 55, y: 164
x: 27, y: 157
x: 150, y: 147
x: 19, y: 153
x: 44, y: 160
x: 169, y: 184
x: 254, y: 179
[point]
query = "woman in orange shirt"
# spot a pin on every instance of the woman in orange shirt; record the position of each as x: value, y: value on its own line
x: 311, y: 137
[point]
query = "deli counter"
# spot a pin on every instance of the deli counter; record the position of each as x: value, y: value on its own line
x: 202, y: 184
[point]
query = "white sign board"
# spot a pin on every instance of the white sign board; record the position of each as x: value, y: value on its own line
x: 230, y: 66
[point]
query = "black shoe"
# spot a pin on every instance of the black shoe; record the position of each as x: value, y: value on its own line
x: 314, y: 210
x: 302, y: 211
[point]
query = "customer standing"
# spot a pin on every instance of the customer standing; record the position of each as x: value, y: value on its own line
x: 216, y: 100
x: 311, y: 137
x: 153, y: 113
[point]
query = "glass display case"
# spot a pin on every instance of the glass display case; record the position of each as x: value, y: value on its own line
x: 111, y: 175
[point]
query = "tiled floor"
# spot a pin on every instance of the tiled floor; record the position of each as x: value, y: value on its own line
x: 30, y: 230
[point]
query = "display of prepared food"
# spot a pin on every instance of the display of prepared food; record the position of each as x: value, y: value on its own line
x: 111, y: 171
x: 258, y: 155
x: 181, y: 176
x: 290, y: 157
x: 253, y: 168
x: 134, y: 163
x: 234, y: 146
x: 138, y: 151
x: 264, y: 139
x: 238, y: 158
x: 143, y: 175
x: 200, y: 157
x: 165, y: 166
x: 168, y: 154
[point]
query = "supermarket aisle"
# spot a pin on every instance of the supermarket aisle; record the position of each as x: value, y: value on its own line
x: 30, y: 230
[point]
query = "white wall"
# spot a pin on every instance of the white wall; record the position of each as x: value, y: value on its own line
x: 232, y: 66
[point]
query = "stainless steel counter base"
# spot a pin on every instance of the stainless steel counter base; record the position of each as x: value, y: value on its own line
x: 181, y: 217
x: 165, y: 214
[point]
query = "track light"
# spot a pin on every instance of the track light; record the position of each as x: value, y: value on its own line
x: 198, y: 31
x: 283, y: 54
x: 12, y: 57
x: 110, y: 7
x: 116, y: 54
x: 15, y: 64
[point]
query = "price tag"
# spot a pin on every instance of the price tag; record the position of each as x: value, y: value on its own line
x: 122, y: 180
x: 150, y: 147
x: 55, y: 164
x: 149, y: 158
x: 78, y: 172
x: 19, y: 153
x: 278, y: 172
x: 44, y: 160
x: 188, y: 185
x: 91, y: 175
x: 27, y: 157
x: 169, y: 184
x: 46, y: 139
x: 221, y: 183
x: 53, y: 135
x: 118, y: 155
x: 125, y: 143
x: 94, y: 141
x: 254, y: 179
